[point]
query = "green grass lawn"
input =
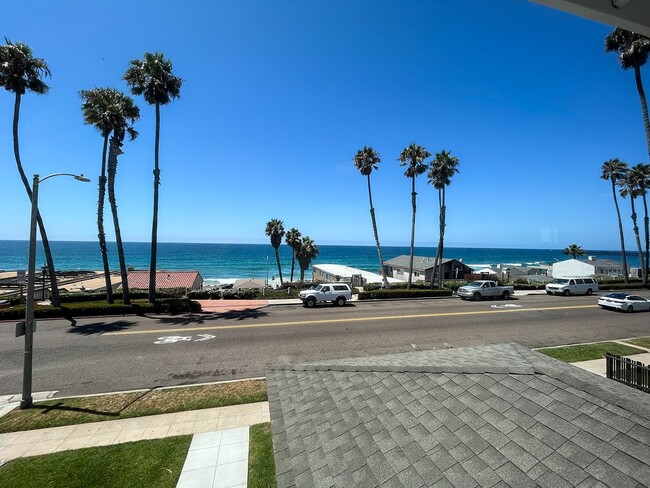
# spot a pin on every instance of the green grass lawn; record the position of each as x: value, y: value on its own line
x: 151, y: 464
x: 641, y: 341
x: 80, y: 410
x: 571, y: 354
x: 261, y: 463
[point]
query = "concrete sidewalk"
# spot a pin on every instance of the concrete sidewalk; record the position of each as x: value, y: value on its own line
x: 44, y: 441
x: 597, y: 366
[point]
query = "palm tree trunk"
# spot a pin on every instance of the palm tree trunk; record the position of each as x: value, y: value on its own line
x: 277, y: 259
x: 302, y: 273
x: 154, y: 223
x: 293, y: 262
x: 114, y: 152
x: 620, y: 231
x: 55, y: 298
x: 413, y: 204
x: 438, y: 258
x: 638, y: 243
x: 374, y: 229
x: 646, y: 225
x: 442, y: 239
x: 101, y: 233
x: 644, y: 105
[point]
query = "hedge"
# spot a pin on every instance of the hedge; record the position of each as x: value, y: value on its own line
x: 138, y: 307
x: 403, y: 293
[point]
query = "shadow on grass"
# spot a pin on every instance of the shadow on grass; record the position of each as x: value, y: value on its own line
x: 100, y: 327
x: 45, y: 409
x: 204, y: 317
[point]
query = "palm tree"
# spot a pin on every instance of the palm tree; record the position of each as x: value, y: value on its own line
x: 574, y: 250
x: 293, y: 241
x: 614, y: 170
x: 632, y: 187
x: 413, y: 158
x: 306, y: 254
x: 632, y: 50
x: 125, y: 113
x: 441, y: 170
x: 153, y: 78
x: 20, y: 72
x: 644, y: 186
x: 275, y: 230
x: 99, y: 109
x: 366, y: 160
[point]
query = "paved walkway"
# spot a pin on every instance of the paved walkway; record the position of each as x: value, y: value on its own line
x: 219, y: 449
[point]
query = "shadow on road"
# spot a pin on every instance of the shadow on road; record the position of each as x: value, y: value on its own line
x: 205, y: 316
x: 100, y: 327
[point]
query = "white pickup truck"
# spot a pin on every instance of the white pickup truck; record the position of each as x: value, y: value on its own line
x: 337, y: 293
x: 476, y: 290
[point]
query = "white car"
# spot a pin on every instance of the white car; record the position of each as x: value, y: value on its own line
x: 624, y: 301
x: 337, y: 293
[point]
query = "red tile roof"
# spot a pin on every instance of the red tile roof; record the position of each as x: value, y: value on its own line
x: 164, y: 279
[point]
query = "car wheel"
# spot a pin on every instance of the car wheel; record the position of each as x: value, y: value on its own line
x: 476, y: 296
x: 505, y: 295
x: 310, y: 302
x: 339, y: 302
x: 567, y: 293
x: 630, y: 309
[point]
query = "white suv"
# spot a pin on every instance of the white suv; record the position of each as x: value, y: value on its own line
x: 337, y: 293
x: 572, y: 286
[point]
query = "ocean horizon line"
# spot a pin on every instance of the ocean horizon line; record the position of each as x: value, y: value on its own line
x: 406, y: 245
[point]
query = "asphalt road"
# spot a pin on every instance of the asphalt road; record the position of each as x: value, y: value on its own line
x: 97, y: 355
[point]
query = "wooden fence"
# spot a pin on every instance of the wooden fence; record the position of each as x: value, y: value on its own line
x: 627, y: 371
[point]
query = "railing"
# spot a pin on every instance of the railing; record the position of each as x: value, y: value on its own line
x: 627, y: 371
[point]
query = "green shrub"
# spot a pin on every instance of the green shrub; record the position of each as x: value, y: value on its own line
x: 80, y: 309
x: 403, y: 293
x: 208, y: 294
x: 238, y: 294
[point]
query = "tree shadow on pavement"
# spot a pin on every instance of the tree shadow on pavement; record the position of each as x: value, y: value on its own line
x: 210, y: 316
x: 101, y: 327
x: 61, y: 406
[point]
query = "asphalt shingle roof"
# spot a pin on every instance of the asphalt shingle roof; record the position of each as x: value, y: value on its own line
x: 498, y: 415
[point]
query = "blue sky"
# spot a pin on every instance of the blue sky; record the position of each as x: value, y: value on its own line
x: 279, y: 96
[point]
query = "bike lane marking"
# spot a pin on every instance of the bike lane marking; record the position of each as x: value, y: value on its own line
x: 338, y: 321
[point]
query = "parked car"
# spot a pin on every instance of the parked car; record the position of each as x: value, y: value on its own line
x: 572, y: 286
x: 626, y: 302
x: 337, y: 293
x: 477, y: 290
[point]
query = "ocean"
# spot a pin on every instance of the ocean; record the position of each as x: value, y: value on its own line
x: 223, y: 262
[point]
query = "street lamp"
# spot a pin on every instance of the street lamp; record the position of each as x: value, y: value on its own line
x: 30, y: 323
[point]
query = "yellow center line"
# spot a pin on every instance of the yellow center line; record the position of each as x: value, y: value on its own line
x: 336, y: 321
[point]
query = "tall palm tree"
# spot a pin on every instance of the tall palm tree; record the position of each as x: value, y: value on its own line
x: 126, y: 113
x: 574, y: 250
x: 632, y: 187
x: 293, y: 241
x: 366, y: 160
x: 413, y: 158
x: 275, y: 230
x: 644, y: 186
x: 632, y: 50
x: 441, y: 170
x: 614, y: 170
x: 306, y: 254
x: 101, y: 109
x: 20, y: 72
x: 153, y: 78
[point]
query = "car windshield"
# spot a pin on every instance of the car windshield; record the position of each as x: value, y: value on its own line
x: 561, y: 282
x: 318, y: 288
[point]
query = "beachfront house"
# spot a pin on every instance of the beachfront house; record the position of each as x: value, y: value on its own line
x: 191, y: 280
x: 328, y: 273
x: 589, y: 267
x: 398, y: 268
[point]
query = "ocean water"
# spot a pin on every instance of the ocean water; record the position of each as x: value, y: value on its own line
x: 219, y: 262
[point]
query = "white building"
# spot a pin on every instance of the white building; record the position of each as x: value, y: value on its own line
x: 589, y: 267
x: 338, y: 272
